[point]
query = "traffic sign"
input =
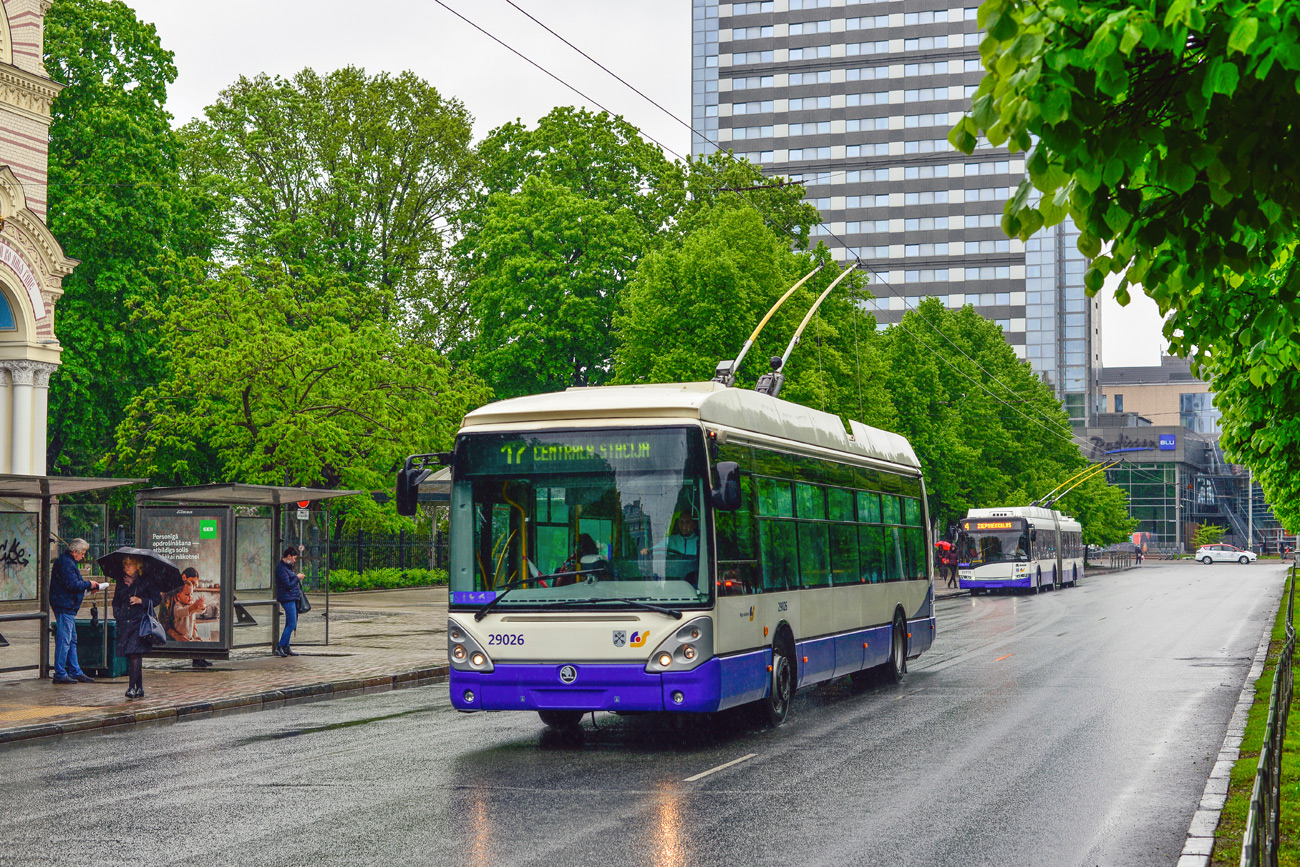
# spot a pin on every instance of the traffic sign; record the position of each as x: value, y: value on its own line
x: 304, y: 514
x: 302, y: 504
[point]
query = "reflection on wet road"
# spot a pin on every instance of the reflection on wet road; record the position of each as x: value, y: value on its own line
x: 1075, y: 727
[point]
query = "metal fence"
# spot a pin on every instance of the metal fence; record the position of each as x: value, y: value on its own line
x: 401, y: 551
x: 1259, y: 845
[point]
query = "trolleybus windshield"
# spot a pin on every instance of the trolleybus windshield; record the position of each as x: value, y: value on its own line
x: 562, y: 517
x: 997, y: 540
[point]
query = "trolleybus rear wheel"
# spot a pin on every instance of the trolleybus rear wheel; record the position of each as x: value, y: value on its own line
x: 896, y: 667
x: 561, y: 719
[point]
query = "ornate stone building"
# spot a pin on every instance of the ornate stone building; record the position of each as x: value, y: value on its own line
x: 32, y: 264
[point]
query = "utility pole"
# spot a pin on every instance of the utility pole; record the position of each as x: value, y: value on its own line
x: 1250, y: 508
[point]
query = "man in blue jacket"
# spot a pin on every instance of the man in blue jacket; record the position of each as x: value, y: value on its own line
x: 67, y: 589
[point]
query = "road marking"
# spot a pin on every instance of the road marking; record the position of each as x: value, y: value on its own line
x: 722, y: 767
x: 1000, y: 658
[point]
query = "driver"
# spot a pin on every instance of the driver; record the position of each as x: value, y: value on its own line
x: 682, y: 546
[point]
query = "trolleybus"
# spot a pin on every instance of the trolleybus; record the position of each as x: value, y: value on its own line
x: 684, y: 548
x: 1020, y: 547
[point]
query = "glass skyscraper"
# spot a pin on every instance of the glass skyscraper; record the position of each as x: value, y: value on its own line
x: 855, y: 100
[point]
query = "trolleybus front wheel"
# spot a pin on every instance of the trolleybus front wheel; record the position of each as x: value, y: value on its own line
x: 561, y: 719
x: 773, y: 710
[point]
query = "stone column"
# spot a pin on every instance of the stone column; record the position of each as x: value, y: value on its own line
x: 6, y: 417
x: 23, y: 374
x: 40, y: 409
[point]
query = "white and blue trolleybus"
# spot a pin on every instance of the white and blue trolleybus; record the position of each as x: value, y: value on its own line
x: 683, y: 548
x: 1018, y: 548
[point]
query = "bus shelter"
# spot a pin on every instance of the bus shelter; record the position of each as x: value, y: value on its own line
x: 25, y: 559
x: 227, y: 539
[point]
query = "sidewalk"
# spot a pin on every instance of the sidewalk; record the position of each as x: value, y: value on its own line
x: 379, y: 640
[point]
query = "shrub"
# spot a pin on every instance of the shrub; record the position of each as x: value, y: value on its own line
x: 343, y: 580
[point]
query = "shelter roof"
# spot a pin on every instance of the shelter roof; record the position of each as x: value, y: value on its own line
x: 57, y: 486
x: 236, y: 494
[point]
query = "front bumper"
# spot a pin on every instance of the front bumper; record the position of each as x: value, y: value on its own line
x: 607, y: 687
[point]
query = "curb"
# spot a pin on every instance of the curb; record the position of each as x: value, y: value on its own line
x: 252, y: 701
x: 1205, y: 821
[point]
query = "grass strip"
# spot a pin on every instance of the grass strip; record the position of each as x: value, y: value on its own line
x: 342, y: 580
x: 1232, y: 824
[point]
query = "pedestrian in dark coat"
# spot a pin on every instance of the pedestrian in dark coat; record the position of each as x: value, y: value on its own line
x: 134, y: 593
x: 67, y: 590
x: 288, y: 590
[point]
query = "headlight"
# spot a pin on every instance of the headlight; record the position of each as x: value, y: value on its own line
x: 464, y: 652
x: 685, y: 649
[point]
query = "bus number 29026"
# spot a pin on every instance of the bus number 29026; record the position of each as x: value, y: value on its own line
x: 504, y: 639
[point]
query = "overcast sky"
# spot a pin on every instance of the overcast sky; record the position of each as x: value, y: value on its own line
x: 647, y: 42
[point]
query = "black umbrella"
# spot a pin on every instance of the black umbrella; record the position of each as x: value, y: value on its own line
x: 163, y: 573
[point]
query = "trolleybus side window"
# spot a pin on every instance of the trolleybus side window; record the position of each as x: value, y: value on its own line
x: 814, y: 537
x: 779, y: 560
x: 737, y: 552
x: 844, y: 538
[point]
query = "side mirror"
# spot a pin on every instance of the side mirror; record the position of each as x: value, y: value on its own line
x: 408, y: 488
x: 1033, y: 534
x: 726, y: 496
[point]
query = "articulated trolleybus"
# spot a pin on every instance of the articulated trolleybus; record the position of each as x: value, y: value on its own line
x: 1021, y: 547
x: 684, y: 548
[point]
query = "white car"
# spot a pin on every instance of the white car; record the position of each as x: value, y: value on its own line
x: 1224, y: 554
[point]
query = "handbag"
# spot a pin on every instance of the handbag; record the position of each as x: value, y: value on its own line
x: 303, y: 605
x: 151, y: 628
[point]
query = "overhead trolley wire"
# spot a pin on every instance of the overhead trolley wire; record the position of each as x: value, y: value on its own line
x: 822, y: 224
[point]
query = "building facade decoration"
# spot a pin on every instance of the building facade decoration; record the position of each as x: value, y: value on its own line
x: 32, y: 262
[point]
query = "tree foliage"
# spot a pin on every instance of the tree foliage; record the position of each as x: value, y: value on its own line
x: 565, y: 212
x: 287, y: 379
x: 1208, y: 534
x: 345, y: 172
x: 117, y: 204
x: 1166, y: 129
x: 987, y: 430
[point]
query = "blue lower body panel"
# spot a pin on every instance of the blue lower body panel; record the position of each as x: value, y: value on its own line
x: 597, y: 687
x: 1025, y: 583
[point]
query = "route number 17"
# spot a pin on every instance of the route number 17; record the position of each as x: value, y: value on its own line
x: 513, y: 455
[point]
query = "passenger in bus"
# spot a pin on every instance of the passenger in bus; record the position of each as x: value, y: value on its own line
x: 584, y: 556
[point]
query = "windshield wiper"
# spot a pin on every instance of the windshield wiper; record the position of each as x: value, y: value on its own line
x: 482, y: 612
x: 635, y: 603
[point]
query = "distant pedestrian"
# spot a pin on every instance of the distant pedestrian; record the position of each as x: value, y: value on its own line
x: 950, y: 558
x: 288, y: 590
x: 134, y: 593
x: 67, y: 590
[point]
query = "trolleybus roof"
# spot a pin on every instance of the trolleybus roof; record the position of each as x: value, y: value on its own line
x: 711, y: 402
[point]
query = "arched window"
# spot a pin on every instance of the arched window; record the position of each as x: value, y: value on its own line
x: 7, y: 321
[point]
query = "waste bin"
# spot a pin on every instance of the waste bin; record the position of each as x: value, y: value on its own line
x: 90, y: 649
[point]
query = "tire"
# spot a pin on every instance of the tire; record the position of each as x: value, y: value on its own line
x: 893, y: 670
x: 1206, y: 560
x: 773, y: 709
x: 1243, y: 559
x: 561, y: 719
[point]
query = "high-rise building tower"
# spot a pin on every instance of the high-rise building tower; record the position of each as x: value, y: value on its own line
x: 855, y: 100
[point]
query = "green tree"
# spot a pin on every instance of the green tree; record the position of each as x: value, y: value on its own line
x: 346, y: 172
x: 987, y: 430
x: 1208, y: 534
x: 565, y: 213
x: 280, y: 378
x: 694, y: 301
x: 117, y: 204
x: 1166, y: 129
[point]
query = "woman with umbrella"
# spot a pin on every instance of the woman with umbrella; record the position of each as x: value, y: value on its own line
x: 142, y: 577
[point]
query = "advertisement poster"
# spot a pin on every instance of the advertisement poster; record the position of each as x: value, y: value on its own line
x: 195, y: 540
x: 18, y: 568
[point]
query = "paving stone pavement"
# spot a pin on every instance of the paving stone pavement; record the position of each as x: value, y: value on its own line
x: 377, y: 640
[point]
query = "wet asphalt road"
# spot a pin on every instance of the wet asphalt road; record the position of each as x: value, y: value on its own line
x: 1068, y: 728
